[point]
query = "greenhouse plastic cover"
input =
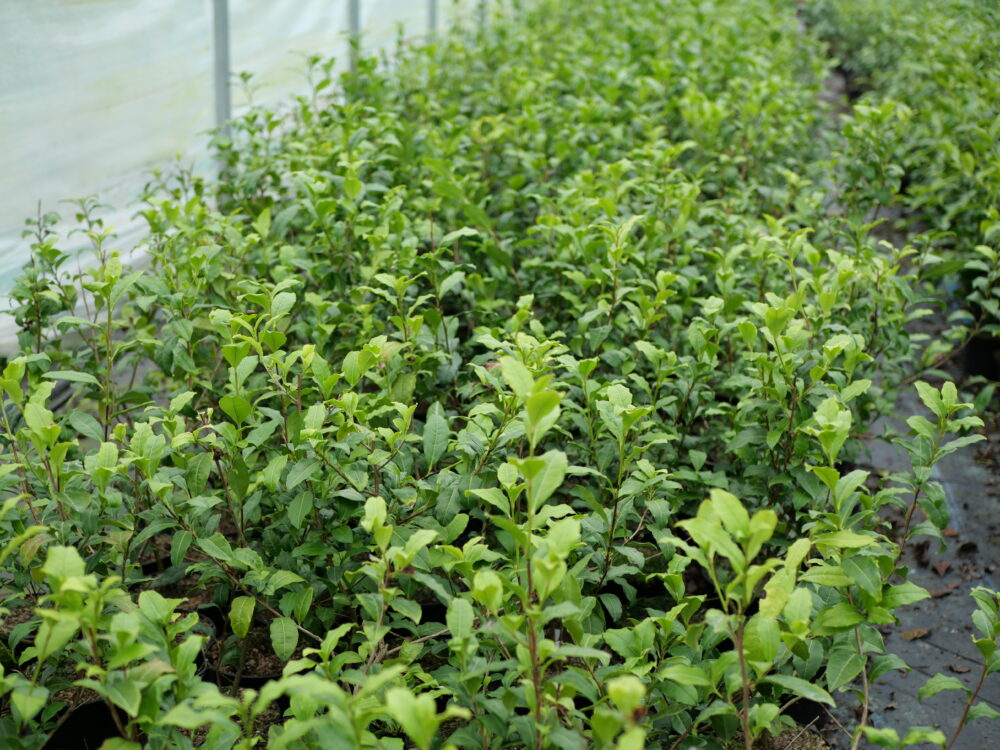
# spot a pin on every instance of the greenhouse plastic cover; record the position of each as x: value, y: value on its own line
x: 94, y: 94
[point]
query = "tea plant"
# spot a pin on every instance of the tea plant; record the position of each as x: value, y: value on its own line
x: 938, y: 65
x: 427, y: 394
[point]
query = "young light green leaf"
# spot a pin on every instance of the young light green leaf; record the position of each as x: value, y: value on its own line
x: 548, y: 478
x: 460, y: 618
x: 63, y: 563
x: 27, y: 700
x: 517, y: 377
x: 282, y: 303
x: 284, y: 637
x: 241, y: 614
x: 732, y: 513
x: 938, y: 683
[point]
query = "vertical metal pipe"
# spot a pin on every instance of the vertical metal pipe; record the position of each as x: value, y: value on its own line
x: 432, y: 17
x: 354, y: 30
x: 223, y: 100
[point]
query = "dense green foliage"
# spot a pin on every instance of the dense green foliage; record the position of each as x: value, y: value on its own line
x: 432, y: 387
x: 935, y: 69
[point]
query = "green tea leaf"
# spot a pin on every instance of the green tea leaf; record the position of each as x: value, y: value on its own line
x: 436, y: 433
x: 236, y: 408
x: 241, y: 615
x: 123, y: 692
x: 27, y: 700
x: 284, y: 637
x: 460, y: 618
x: 63, y: 563
x: 86, y: 425
x: 517, y: 376
x: 800, y: 687
x: 844, y: 665
x: 548, y: 478
x: 938, y: 683
x: 72, y: 376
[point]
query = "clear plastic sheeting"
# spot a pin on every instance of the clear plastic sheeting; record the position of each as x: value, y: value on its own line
x: 96, y: 94
x: 385, y: 22
x: 92, y: 96
x: 457, y: 13
x: 271, y: 40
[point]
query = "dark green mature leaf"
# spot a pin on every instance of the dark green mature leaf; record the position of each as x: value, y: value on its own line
x: 73, y: 376
x: 86, y: 425
x: 800, y: 687
x: 844, y: 665
x: 436, y: 434
x: 300, y: 472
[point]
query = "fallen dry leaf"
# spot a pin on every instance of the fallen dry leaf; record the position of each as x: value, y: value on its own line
x: 950, y: 532
x: 912, y: 635
x: 938, y: 593
x: 941, y: 567
x: 958, y: 668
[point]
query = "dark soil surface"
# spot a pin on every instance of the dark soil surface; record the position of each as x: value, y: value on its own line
x: 14, y: 617
x: 259, y: 659
x: 804, y: 738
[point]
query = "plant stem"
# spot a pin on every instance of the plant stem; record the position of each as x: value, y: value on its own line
x: 865, y: 691
x: 968, y: 706
x: 745, y: 712
x: 536, y: 674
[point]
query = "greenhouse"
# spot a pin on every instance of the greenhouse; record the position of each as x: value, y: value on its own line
x: 500, y: 374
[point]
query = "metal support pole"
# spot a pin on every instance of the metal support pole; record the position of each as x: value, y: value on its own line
x: 354, y: 30
x: 223, y: 102
x: 432, y: 17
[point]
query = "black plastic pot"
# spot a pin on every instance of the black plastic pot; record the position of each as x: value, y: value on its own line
x: 86, y: 727
x: 808, y: 713
x: 982, y: 357
x: 201, y: 659
x: 226, y: 677
x: 153, y: 568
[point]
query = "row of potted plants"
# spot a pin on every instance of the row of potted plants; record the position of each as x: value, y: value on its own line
x: 509, y: 395
x: 928, y: 90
